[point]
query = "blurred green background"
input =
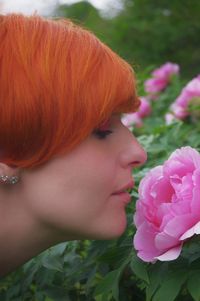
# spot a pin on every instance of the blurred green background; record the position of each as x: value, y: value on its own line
x: 146, y: 32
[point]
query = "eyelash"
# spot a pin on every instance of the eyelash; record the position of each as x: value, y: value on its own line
x: 102, y: 134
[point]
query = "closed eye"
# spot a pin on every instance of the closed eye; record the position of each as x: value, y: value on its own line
x: 102, y: 134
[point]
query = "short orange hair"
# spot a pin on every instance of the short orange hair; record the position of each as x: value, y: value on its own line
x: 57, y: 83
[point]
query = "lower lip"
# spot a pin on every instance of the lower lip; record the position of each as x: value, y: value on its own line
x: 123, y: 196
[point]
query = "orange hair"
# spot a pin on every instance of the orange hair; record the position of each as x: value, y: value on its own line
x: 57, y: 83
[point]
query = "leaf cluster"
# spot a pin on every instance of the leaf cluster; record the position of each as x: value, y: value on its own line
x: 146, y: 32
x: 111, y: 270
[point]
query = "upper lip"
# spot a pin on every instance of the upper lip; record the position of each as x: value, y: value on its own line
x: 125, y: 187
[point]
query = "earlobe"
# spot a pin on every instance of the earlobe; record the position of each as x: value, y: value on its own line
x: 8, y: 174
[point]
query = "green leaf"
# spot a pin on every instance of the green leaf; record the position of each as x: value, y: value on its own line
x: 139, y: 268
x: 115, y: 255
x: 59, y: 249
x: 109, y: 284
x: 171, y: 286
x: 193, y: 284
x: 156, y: 273
x: 53, y: 263
x: 57, y: 293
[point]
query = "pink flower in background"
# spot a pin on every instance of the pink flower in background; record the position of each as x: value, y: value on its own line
x: 169, y: 118
x: 166, y: 71
x: 132, y: 119
x: 155, y: 85
x: 145, y: 108
x: 136, y: 118
x: 178, y: 111
x: 161, y: 78
x: 168, y: 208
x: 189, y: 93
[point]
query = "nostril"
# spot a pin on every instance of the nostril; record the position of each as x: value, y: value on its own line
x: 137, y: 163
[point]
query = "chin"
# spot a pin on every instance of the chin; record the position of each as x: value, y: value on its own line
x: 114, y: 231
x: 117, y: 233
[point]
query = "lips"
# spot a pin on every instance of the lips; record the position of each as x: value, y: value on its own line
x: 124, y: 188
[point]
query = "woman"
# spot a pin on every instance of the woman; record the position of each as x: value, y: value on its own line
x: 65, y: 157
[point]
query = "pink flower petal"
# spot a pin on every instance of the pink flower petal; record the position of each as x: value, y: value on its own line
x: 164, y: 241
x: 180, y: 207
x: 166, y: 71
x: 170, y: 254
x: 179, y: 225
x: 146, y: 256
x: 145, y: 108
x: 192, y: 231
x: 182, y: 161
x: 144, y: 238
x: 155, y: 85
x: 188, y: 93
x: 132, y: 119
x: 162, y: 191
x: 183, y: 187
x: 195, y: 203
x: 186, y: 155
x: 145, y: 184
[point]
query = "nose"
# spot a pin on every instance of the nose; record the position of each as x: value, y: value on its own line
x: 133, y: 154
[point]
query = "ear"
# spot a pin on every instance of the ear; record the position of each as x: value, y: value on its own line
x: 8, y: 170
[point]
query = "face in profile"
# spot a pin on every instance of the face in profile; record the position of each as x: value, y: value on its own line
x: 82, y: 194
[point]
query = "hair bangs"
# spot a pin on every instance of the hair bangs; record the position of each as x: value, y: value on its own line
x: 57, y: 83
x: 111, y: 86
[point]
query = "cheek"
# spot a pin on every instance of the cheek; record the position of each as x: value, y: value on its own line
x: 80, y: 208
x: 96, y: 176
x: 75, y: 194
x: 67, y: 200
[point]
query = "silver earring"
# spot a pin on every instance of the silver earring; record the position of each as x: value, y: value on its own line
x: 9, y: 180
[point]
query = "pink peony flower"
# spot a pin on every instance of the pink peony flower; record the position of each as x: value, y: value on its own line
x: 161, y: 78
x: 191, y: 90
x: 178, y: 111
x: 144, y: 108
x: 155, y: 85
x: 132, y: 119
x: 189, y: 93
x: 166, y: 71
x: 136, y: 118
x: 168, y: 208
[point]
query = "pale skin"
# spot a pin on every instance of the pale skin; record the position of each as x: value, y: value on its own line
x: 70, y: 197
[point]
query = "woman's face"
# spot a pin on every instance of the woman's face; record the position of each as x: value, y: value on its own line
x: 79, y: 194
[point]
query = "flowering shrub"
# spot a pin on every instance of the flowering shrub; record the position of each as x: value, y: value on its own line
x: 136, y: 118
x: 169, y: 118
x: 155, y: 85
x: 168, y: 209
x: 111, y: 270
x: 166, y: 71
x: 161, y: 77
x: 190, y: 95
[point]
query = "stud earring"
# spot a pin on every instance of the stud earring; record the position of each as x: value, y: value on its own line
x: 9, y: 180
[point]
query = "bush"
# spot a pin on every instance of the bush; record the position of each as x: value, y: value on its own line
x: 111, y: 270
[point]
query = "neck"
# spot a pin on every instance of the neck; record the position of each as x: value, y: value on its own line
x: 21, y: 237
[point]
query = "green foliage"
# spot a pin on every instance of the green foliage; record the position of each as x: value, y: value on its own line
x: 147, y: 32
x: 111, y: 270
x: 157, y: 31
x: 86, y: 15
x: 139, y: 268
